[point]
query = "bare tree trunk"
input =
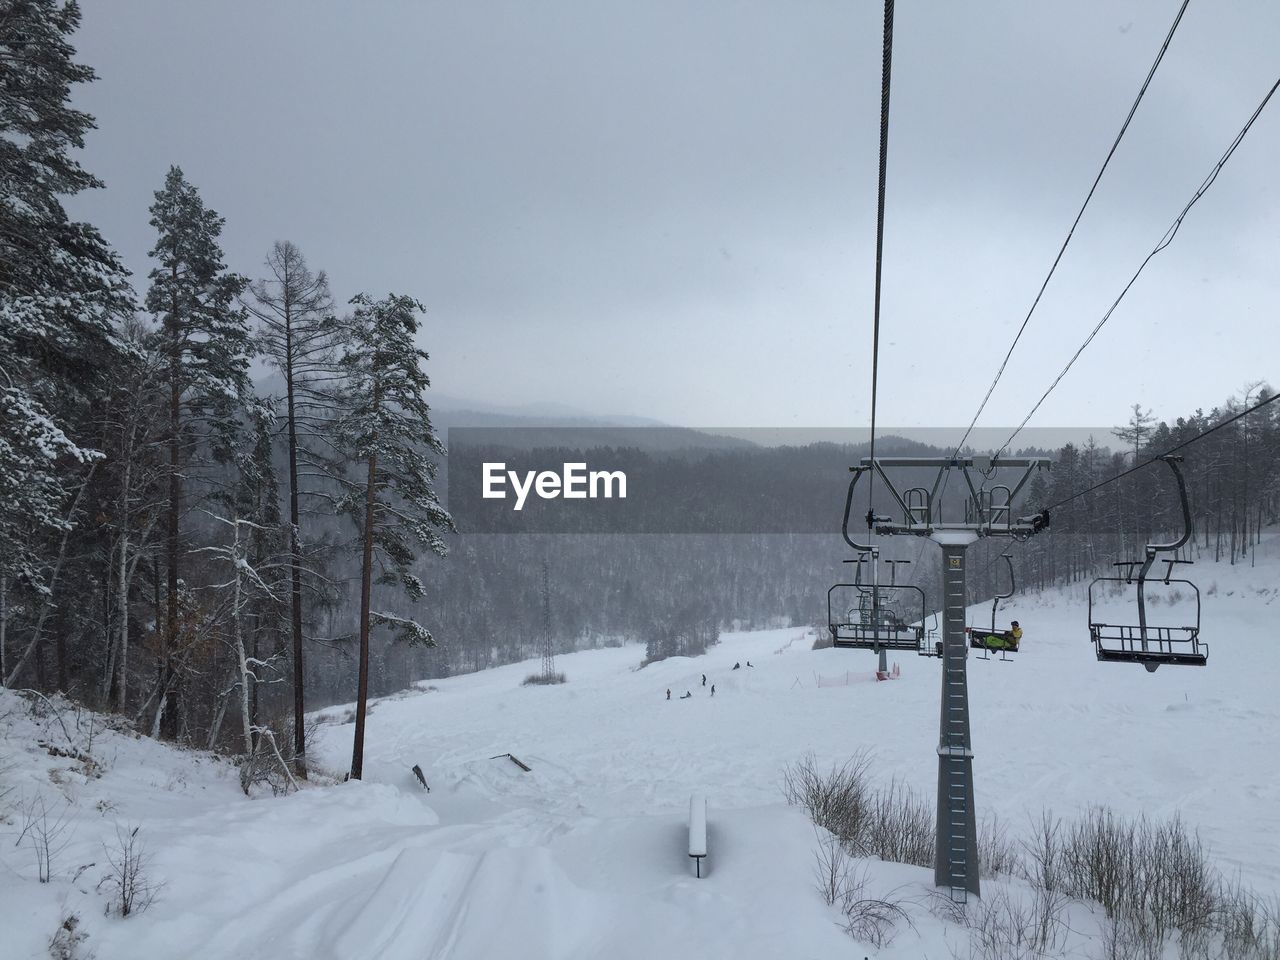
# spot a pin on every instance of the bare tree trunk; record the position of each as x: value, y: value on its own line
x: 128, y: 569
x: 122, y: 647
x: 1217, y: 540
x: 163, y: 689
x: 275, y: 748
x: 255, y: 651
x: 216, y: 727
x: 47, y: 604
x: 4, y: 624
x: 1253, y: 554
x: 1235, y: 525
x: 366, y: 575
x: 170, y: 711
x: 60, y: 651
x: 299, y: 698
x: 122, y: 587
x: 106, y: 686
x: 246, y: 719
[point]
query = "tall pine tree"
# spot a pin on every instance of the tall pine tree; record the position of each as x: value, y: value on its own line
x: 61, y: 288
x: 206, y: 343
x: 386, y: 431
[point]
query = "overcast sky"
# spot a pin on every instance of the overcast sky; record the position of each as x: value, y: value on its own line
x: 667, y: 209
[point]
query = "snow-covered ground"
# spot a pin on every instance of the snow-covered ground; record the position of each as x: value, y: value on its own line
x: 584, y: 855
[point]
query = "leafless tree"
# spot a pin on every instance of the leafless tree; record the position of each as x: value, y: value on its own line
x: 294, y: 310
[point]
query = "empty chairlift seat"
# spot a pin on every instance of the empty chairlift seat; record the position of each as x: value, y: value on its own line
x: 863, y: 617
x: 1144, y: 642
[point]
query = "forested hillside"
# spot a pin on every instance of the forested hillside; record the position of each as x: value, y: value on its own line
x: 212, y: 556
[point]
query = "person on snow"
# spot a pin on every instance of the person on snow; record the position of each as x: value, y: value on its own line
x: 737, y: 666
x: 713, y: 689
x: 750, y: 664
x: 687, y: 696
x: 704, y: 679
x: 668, y: 693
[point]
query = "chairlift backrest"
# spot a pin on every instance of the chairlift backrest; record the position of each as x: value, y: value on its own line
x: 918, y: 502
x: 995, y: 602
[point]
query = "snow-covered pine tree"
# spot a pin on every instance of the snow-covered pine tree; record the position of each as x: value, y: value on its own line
x: 295, y: 314
x: 206, y: 342
x: 61, y: 288
x: 387, y: 435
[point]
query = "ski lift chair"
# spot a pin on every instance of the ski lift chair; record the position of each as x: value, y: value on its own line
x: 879, y: 624
x: 1143, y: 643
x: 981, y: 639
x: 931, y: 644
x: 874, y: 620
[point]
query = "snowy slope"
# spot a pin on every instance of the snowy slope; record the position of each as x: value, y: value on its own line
x: 583, y: 856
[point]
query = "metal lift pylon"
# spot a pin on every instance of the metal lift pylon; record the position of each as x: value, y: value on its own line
x: 989, y: 513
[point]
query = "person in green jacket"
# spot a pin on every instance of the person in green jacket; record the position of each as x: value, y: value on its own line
x: 1007, y: 640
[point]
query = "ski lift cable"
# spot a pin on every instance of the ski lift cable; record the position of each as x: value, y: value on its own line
x: 885, y: 72
x: 1164, y: 242
x: 1156, y: 459
x: 1075, y: 223
x: 1168, y: 453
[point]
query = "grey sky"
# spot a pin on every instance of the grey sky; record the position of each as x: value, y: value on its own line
x: 667, y: 209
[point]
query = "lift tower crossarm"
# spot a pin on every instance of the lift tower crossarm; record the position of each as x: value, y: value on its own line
x: 879, y: 468
x: 983, y: 523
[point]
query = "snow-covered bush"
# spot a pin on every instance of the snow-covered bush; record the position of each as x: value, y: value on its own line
x: 997, y: 854
x: 901, y: 827
x: 1155, y: 874
x: 868, y: 919
x: 1153, y: 880
x: 1044, y: 868
x: 266, y: 765
x: 540, y: 679
x: 127, y: 882
x: 1000, y: 928
x: 889, y: 822
x: 45, y: 832
x: 836, y: 799
x: 66, y: 940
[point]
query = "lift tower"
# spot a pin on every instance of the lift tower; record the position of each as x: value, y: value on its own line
x: 988, y: 513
